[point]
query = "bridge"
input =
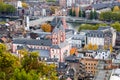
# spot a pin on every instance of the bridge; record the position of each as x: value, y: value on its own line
x: 68, y: 19
x: 82, y: 20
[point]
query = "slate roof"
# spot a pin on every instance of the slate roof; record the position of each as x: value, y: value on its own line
x: 100, y: 6
x: 43, y: 53
x: 78, y: 37
x: 62, y: 67
x: 93, y: 33
x: 103, y: 5
x: 46, y: 42
x: 57, y: 24
x: 103, y: 28
x: 55, y: 21
x: 58, y: 27
x: 72, y: 59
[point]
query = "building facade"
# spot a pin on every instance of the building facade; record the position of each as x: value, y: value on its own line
x: 102, y: 54
x: 104, y: 36
x: 54, y: 46
x: 90, y: 65
x: 78, y: 41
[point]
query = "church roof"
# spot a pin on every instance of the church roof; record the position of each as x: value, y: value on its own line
x: 46, y: 42
x: 57, y: 25
x: 55, y: 21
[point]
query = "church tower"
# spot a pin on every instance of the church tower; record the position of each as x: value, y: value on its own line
x: 58, y: 34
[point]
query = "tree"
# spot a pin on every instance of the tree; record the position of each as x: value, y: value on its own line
x: 116, y: 26
x: 95, y: 15
x: 106, y: 16
x: 46, y: 27
x: 6, y: 8
x: 91, y: 14
x: 23, y: 75
x: 105, y: 47
x: 95, y: 47
x: 101, y: 25
x: 89, y: 46
x: 8, y: 63
x: 87, y: 27
x: 116, y: 9
x: 52, y: 8
x: 73, y: 14
x: 73, y: 51
x: 24, y: 5
x: 111, y: 48
x: 28, y: 68
x: 80, y: 13
x: 70, y: 12
x: 83, y: 14
x: 85, y: 47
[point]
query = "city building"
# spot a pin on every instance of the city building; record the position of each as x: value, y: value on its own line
x: 117, y: 43
x: 102, y: 54
x: 101, y: 37
x: 90, y: 65
x: 78, y: 41
x: 54, y: 46
x: 115, y: 74
x: 75, y: 69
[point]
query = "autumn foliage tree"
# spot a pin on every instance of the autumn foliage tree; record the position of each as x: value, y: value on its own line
x: 24, y: 5
x: 111, y: 48
x: 46, y: 27
x: 73, y: 51
x: 91, y: 47
x: 116, y: 9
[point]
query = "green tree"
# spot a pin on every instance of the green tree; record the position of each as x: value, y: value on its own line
x: 91, y: 14
x: 73, y: 14
x: 70, y: 12
x: 106, y: 16
x: 87, y: 27
x: 83, y: 14
x: 7, y: 8
x: 28, y: 68
x: 23, y: 75
x: 95, y: 15
x: 8, y: 63
x: 116, y: 26
x: 80, y: 13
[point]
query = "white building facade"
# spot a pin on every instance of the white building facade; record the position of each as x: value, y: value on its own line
x: 102, y: 54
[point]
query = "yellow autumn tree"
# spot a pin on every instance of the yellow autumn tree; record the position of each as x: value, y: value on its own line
x: 46, y: 27
x: 111, y: 48
x: 105, y: 47
x: 52, y: 8
x: 89, y: 46
x: 85, y: 47
x: 73, y: 51
x: 95, y: 47
x: 116, y: 9
x: 24, y: 5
